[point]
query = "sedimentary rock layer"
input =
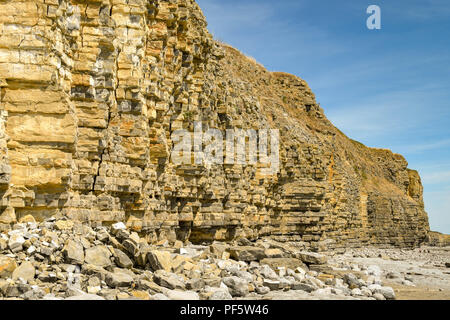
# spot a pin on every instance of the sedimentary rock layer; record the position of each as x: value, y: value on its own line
x: 91, y: 92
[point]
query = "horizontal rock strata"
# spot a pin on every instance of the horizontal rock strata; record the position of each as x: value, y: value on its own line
x: 91, y: 92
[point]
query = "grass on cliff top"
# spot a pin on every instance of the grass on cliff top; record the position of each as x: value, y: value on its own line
x: 251, y: 59
x: 362, y: 145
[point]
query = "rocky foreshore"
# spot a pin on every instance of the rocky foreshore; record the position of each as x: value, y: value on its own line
x: 62, y: 259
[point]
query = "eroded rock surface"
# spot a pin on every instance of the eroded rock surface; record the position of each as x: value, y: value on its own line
x: 91, y: 92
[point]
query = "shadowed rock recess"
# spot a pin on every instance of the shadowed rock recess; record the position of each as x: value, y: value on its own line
x: 91, y: 92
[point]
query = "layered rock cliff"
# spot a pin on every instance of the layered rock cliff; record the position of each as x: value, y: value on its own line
x: 91, y: 92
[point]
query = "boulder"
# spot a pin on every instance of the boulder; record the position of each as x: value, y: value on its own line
x: 64, y: 225
x: 74, y: 252
x: 218, y: 250
x: 387, y: 292
x: 141, y: 295
x: 356, y: 292
x: 159, y: 260
x: 379, y: 296
x: 182, y: 295
x: 219, y: 294
x: 49, y: 277
x: 352, y: 281
x: 262, y: 290
x: 16, y: 289
x: 7, y: 266
x: 268, y: 272
x: 195, y: 284
x: 27, y: 219
x: 159, y: 296
x: 237, y: 287
x: 374, y: 288
x: 131, y: 247
x: 118, y: 279
x: 274, y: 253
x: 247, y: 253
x: 150, y: 286
x: 321, y: 268
x: 288, y: 263
x: 16, y: 242
x: 121, y: 259
x: 98, y: 256
x: 3, y: 244
x: 25, y: 271
x: 272, y: 284
x: 304, y: 287
x: 312, y: 258
x: 115, y: 228
x: 169, y: 280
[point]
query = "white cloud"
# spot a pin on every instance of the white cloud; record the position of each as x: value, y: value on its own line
x: 381, y: 115
x: 425, y: 10
x: 230, y: 16
x: 259, y: 24
x: 417, y: 148
x: 437, y: 205
x: 436, y: 177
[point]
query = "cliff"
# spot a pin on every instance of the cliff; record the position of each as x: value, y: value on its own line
x: 91, y: 92
x: 437, y: 239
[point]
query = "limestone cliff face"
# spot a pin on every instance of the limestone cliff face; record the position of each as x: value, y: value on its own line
x: 92, y: 90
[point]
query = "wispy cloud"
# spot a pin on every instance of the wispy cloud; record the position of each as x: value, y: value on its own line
x: 230, y: 16
x: 415, y: 148
x: 421, y: 9
x: 256, y: 26
x: 387, y: 64
x: 437, y: 177
x: 382, y: 115
x: 437, y: 204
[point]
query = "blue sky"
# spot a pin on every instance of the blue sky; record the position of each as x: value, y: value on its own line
x: 387, y: 88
